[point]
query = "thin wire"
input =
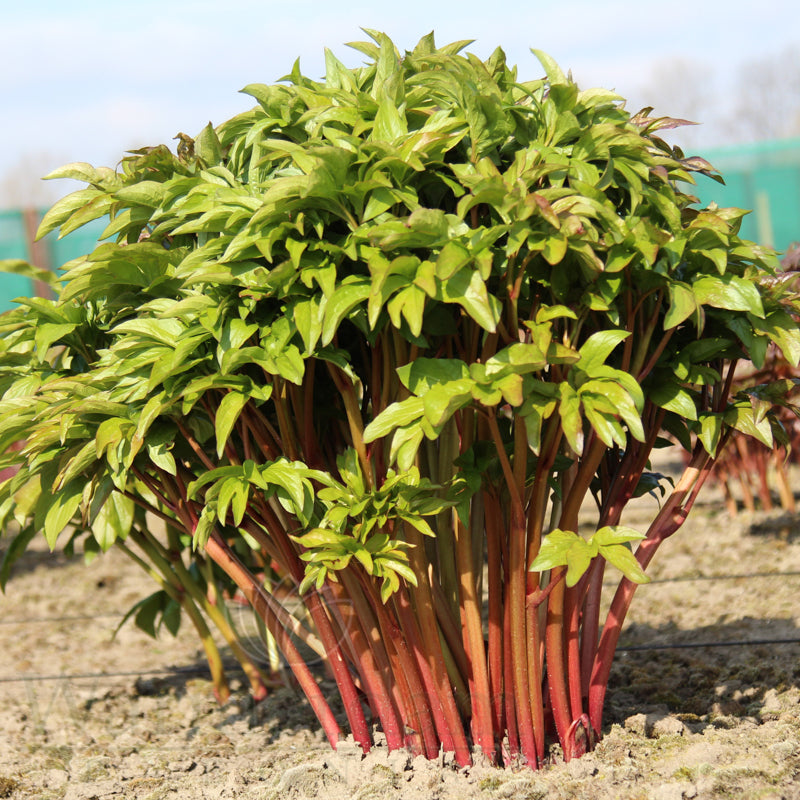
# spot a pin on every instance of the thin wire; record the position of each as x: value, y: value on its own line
x: 690, y: 645
x: 743, y: 576
x: 178, y: 671
x: 204, y: 670
x: 678, y: 579
x: 73, y: 618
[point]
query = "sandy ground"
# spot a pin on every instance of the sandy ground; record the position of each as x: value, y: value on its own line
x: 84, y: 715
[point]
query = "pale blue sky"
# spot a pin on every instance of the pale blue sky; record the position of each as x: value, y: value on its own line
x: 84, y: 81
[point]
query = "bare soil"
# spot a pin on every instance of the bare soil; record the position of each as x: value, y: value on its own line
x: 87, y: 715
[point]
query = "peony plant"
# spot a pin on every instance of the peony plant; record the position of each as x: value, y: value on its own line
x: 403, y: 339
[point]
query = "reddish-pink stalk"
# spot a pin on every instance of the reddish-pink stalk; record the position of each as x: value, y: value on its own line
x: 478, y: 675
x: 590, y: 627
x: 535, y: 677
x: 516, y: 599
x: 443, y: 719
x: 512, y: 729
x: 429, y: 652
x: 372, y: 661
x: 534, y: 595
x: 556, y: 662
x: 404, y: 667
x: 573, y: 598
x: 669, y: 519
x: 449, y: 629
x: 261, y: 602
x: 341, y: 671
x: 560, y: 670
x: 493, y: 520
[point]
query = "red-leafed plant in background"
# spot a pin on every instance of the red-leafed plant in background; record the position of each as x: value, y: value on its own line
x: 381, y: 337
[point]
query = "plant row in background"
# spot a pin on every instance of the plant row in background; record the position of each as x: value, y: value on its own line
x: 752, y: 473
x: 403, y: 341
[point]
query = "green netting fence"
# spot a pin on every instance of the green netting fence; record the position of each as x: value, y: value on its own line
x: 17, y: 228
x: 765, y: 178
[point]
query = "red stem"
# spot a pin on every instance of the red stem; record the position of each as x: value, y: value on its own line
x: 261, y: 602
x: 429, y: 653
x: 478, y: 675
x: 373, y: 662
x: 443, y: 718
x: 493, y: 519
x: 556, y: 662
x: 515, y: 599
x: 560, y: 617
x: 405, y: 667
x: 508, y: 680
x: 669, y: 519
x: 341, y: 671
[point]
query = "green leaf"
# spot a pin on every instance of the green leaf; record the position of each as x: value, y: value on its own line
x: 308, y: 319
x: 711, y: 431
x: 81, y: 171
x: 13, y: 550
x: 565, y: 548
x: 399, y: 568
x: 518, y: 358
x: 151, y: 411
x: 598, y: 347
x: 65, y: 208
x: 624, y: 560
x: 149, y: 194
x: 783, y: 330
x: 207, y: 146
x: 349, y: 294
x: 728, y: 292
x: 405, y: 445
x: 553, y: 550
x: 225, y: 417
x: 745, y: 419
x: 394, y: 416
x: 410, y: 305
x: 319, y: 537
x: 165, y: 331
x: 616, y: 534
x: 682, y: 305
x: 420, y: 375
x: 171, y: 616
x: 16, y: 266
x: 555, y: 248
x: 113, y: 521
x: 605, y: 425
x: 578, y: 559
x: 62, y: 507
x: 110, y: 432
x: 673, y: 397
x: 442, y: 400
x: 453, y: 257
x: 571, y: 419
x: 160, y: 455
x: 468, y: 289
x: 390, y: 125
x: 47, y: 333
x: 146, y: 614
x: 389, y: 586
x: 204, y: 527
x: 554, y: 73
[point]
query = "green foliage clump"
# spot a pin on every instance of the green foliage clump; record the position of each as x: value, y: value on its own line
x: 380, y: 336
